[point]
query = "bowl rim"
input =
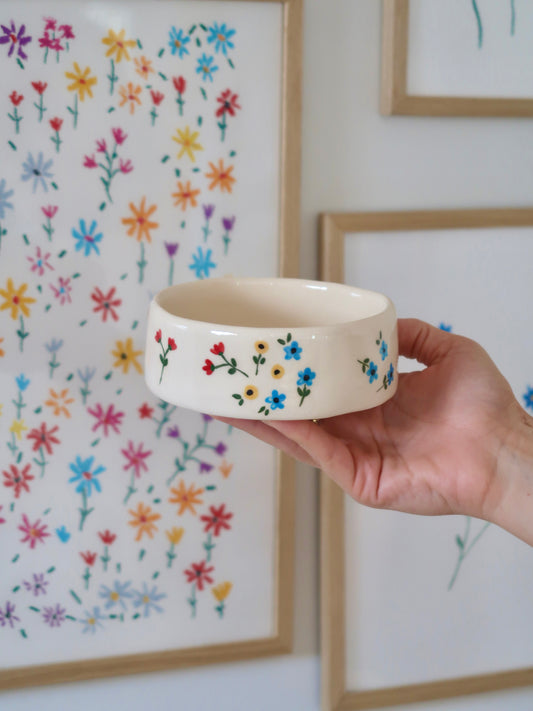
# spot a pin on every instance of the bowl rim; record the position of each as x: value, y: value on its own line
x: 228, y: 329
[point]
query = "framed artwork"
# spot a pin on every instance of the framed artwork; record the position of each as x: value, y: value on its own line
x: 458, y: 58
x: 140, y: 149
x: 417, y: 608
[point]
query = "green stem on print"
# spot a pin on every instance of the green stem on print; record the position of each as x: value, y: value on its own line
x: 465, y: 547
x: 105, y: 558
x: 222, y: 126
x: 303, y: 392
x: 56, y: 140
x: 110, y: 157
x: 231, y: 364
x: 208, y: 547
x: 180, y: 102
x: 74, y: 111
x: 479, y: 23
x: 171, y: 555
x: 12, y: 446
x: 85, y: 392
x: 192, y: 600
x: 40, y: 107
x: 171, y: 272
x: 131, y: 489
x: 220, y: 609
x: 22, y: 333
x: 16, y: 118
x: 206, y: 230
x: 513, y: 17
x: 48, y: 228
x: 112, y: 78
x: 153, y: 114
x: 87, y: 576
x: 84, y: 511
x: 19, y: 404
x: 141, y: 264
x: 45, y: 55
x: 41, y: 462
x: 53, y: 363
x: 226, y: 239
x: 167, y: 412
x: 188, y: 454
x: 2, y: 233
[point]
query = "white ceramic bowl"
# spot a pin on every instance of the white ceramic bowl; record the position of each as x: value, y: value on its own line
x: 283, y: 349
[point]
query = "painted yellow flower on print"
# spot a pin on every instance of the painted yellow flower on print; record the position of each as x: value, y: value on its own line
x: 140, y: 224
x: 221, y: 177
x: 59, y: 401
x: 175, y: 535
x: 188, y: 142
x: 126, y: 356
x: 222, y: 590
x: 15, y: 299
x: 187, y: 499
x: 17, y: 428
x: 82, y: 82
x: 118, y: 45
x: 185, y: 195
x: 143, y: 519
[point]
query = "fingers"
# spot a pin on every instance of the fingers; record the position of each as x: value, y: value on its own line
x: 423, y: 342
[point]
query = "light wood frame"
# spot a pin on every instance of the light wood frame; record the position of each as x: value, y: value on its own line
x: 289, y: 229
x: 394, y: 97
x: 334, y: 227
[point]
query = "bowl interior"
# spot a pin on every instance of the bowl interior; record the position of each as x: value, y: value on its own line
x: 270, y: 303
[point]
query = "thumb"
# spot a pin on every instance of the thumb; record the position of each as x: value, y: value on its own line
x: 422, y: 341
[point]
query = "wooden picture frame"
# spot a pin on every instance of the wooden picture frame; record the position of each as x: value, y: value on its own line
x: 280, y: 642
x: 395, y: 98
x: 336, y: 696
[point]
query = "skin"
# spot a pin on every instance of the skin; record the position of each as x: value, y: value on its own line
x: 452, y: 440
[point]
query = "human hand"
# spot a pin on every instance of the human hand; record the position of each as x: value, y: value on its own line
x: 437, y: 447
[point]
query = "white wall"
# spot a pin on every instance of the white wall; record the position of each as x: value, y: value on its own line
x: 353, y: 159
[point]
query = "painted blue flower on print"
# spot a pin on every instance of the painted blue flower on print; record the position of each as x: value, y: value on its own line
x: 276, y: 400
x: 201, y: 263
x: 85, y: 238
x: 22, y: 382
x: 148, y: 599
x: 92, y: 620
x: 383, y: 350
x: 306, y: 377
x: 37, y: 170
x: 84, y: 477
x: 206, y: 67
x: 116, y: 594
x: 292, y: 351
x: 178, y: 42
x: 372, y: 372
x: 528, y: 398
x: 221, y: 36
x: 4, y: 199
x: 63, y: 534
x: 445, y: 327
x: 390, y: 374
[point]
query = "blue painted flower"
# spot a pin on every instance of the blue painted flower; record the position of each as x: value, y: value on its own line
x: 201, y: 263
x: 54, y: 345
x: 83, y: 474
x: 528, y: 398
x: 221, y: 35
x: 293, y: 350
x: 372, y: 372
x: 116, y: 595
x: 306, y: 377
x: 22, y: 382
x: 92, y: 620
x: 390, y: 374
x: 178, y: 42
x: 445, y: 327
x: 148, y: 599
x: 383, y: 350
x: 63, y: 534
x: 38, y: 171
x: 276, y: 400
x: 206, y: 67
x: 86, y: 239
x: 87, y: 375
x: 4, y: 198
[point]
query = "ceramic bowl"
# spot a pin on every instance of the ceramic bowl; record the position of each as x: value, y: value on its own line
x: 283, y: 349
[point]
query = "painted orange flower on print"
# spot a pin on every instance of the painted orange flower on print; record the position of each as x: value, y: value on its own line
x: 130, y: 94
x: 185, y: 195
x: 187, y: 499
x: 143, y: 67
x: 140, y: 224
x: 59, y: 401
x: 221, y: 177
x: 143, y: 520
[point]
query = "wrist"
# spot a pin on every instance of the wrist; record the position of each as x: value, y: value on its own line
x: 514, y: 509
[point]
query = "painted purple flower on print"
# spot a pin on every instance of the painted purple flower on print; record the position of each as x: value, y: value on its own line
x: 54, y: 616
x: 37, y: 585
x: 173, y: 432
x: 220, y: 448
x: 17, y: 40
x: 7, y: 616
x: 227, y: 224
x: 205, y: 468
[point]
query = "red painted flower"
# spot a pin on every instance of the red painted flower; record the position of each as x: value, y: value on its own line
x: 89, y: 557
x: 145, y: 411
x: 66, y: 31
x: 18, y: 479
x: 15, y: 98
x: 217, y: 520
x: 50, y: 23
x: 101, y: 146
x: 218, y: 349
x: 172, y: 344
x: 199, y: 574
x: 106, y: 303
x: 135, y: 459
x: 125, y: 166
x: 107, y: 537
x: 89, y: 162
x: 56, y: 123
x: 158, y: 335
x: 106, y: 419
x: 43, y: 438
x: 157, y: 97
x: 2, y: 520
x: 39, y: 86
x: 209, y: 366
x: 50, y: 211
x: 34, y: 532
x: 179, y: 84
x: 228, y: 103
x: 119, y: 135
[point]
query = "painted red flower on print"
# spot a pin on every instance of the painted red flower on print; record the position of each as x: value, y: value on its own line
x: 145, y: 411
x: 34, y: 532
x: 106, y: 419
x: 106, y: 303
x: 218, y: 348
x: 136, y: 458
x: 89, y: 557
x: 228, y: 103
x: 18, y: 479
x: 107, y: 537
x: 217, y: 520
x: 43, y: 438
x: 199, y: 574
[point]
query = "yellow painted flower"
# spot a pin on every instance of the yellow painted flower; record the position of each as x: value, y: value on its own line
x: 139, y: 225
x: 15, y: 300
x: 261, y: 346
x: 17, y: 428
x: 118, y: 45
x: 59, y: 401
x: 250, y: 392
x: 143, y: 519
x: 277, y: 371
x: 225, y: 469
x: 2, y: 352
x: 82, y: 82
x: 187, y: 499
x: 185, y: 195
x: 221, y: 177
x: 175, y: 535
x: 130, y: 93
x: 143, y: 67
x: 188, y: 142
x: 222, y: 590
x: 126, y: 356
